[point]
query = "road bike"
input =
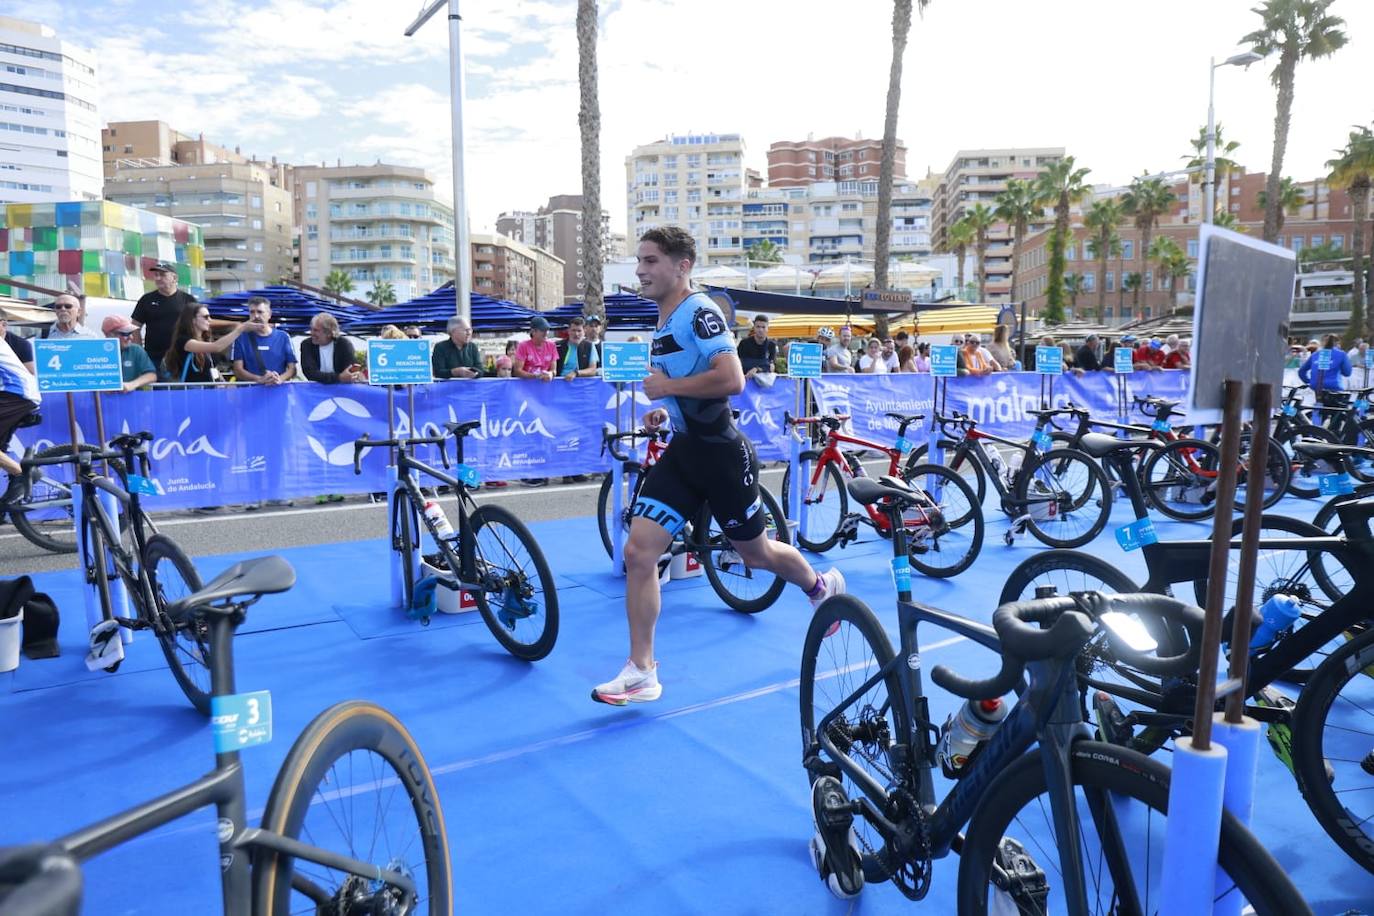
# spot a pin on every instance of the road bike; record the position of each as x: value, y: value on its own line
x: 45, y: 514
x: 1060, y: 494
x: 126, y: 546
x: 490, y: 554
x: 352, y: 824
x: 944, y: 531
x: 1056, y: 822
x: 701, y: 540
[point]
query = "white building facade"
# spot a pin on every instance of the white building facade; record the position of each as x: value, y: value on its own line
x: 695, y: 181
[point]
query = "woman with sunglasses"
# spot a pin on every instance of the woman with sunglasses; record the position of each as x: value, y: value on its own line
x: 190, y: 358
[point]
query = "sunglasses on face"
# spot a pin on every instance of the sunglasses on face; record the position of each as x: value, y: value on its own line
x: 63, y: 306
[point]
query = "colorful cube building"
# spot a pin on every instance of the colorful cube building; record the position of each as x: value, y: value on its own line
x: 106, y: 249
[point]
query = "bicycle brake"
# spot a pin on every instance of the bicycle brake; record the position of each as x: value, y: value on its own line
x: 1016, y: 875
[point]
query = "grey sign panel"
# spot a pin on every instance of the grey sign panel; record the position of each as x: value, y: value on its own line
x: 1240, y: 321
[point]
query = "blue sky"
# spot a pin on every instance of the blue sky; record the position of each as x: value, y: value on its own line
x: 1121, y: 85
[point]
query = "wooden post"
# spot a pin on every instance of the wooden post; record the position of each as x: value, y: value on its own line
x: 1261, y: 400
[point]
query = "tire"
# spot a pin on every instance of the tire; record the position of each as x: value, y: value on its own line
x: 1068, y: 571
x: 521, y: 609
x: 1332, y: 727
x: 1075, y: 477
x: 1291, y: 572
x: 405, y: 539
x: 1276, y: 478
x: 1177, y: 477
x: 1115, y: 791
x: 1333, y: 578
x: 97, y: 567
x: 397, y: 815
x: 187, y: 647
x: 46, y: 518
x: 980, y: 479
x: 1303, y: 472
x: 1360, y: 467
x: 825, y: 515
x: 951, y: 536
x: 633, y: 477
x: 734, y: 582
x: 834, y: 666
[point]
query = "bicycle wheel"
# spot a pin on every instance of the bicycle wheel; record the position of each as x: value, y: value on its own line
x: 1274, y: 480
x: 633, y: 478
x: 1360, y: 466
x: 187, y: 646
x: 354, y: 783
x: 845, y: 646
x: 1331, y: 575
x: 945, y: 535
x: 1180, y: 479
x: 956, y: 464
x: 1279, y: 571
x: 1082, y: 499
x: 1066, y: 570
x: 740, y: 587
x: 98, y: 573
x: 827, y: 503
x: 518, y: 601
x: 405, y: 539
x: 1121, y: 798
x: 46, y: 518
x: 1304, y: 471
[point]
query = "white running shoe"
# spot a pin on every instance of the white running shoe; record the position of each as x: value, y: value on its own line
x: 834, y: 585
x: 631, y: 685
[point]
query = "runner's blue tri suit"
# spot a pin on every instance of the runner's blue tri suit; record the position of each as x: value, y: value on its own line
x: 708, y: 460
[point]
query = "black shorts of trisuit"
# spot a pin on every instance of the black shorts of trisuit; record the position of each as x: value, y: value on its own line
x: 692, y: 472
x: 13, y: 409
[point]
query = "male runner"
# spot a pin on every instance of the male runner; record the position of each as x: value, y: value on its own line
x: 694, y: 369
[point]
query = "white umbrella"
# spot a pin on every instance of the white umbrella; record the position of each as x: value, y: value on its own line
x: 720, y: 275
x: 784, y: 277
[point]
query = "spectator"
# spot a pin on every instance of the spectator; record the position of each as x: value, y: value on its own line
x: 890, y: 354
x: 1329, y: 378
x: 1357, y: 353
x: 971, y: 358
x: 1181, y: 357
x: 327, y: 356
x: 987, y: 354
x: 872, y: 362
x: 266, y: 355
x: 837, y: 356
x: 1295, y: 357
x: 503, y: 367
x: 190, y: 354
x: 1086, y: 358
x: 902, y: 339
x: 594, y: 329
x: 68, y: 311
x: 136, y: 368
x: 19, y: 398
x: 922, y: 357
x: 511, y: 346
x: 391, y: 332
x: 1170, y: 344
x: 1150, y: 354
x: 906, y: 359
x: 577, y: 356
x: 1000, y: 349
x: 457, y: 357
x: 536, y: 357
x: 157, y: 312
x: 756, y: 352
x: 23, y: 350
x: 413, y: 331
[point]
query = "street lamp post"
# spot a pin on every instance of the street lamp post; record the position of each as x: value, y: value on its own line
x: 1209, y: 190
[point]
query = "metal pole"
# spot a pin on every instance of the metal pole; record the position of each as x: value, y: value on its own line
x: 462, y: 247
x: 1209, y: 191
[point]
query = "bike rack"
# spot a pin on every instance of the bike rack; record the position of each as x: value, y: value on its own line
x: 618, y: 477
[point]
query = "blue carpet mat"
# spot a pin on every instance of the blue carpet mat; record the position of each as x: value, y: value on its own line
x: 554, y: 804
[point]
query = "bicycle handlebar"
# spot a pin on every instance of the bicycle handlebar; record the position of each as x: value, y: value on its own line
x: 609, y: 440
x: 364, y: 442
x: 41, y: 879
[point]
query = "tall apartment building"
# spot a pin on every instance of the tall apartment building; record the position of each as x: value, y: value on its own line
x: 793, y: 163
x: 49, y: 121
x: 556, y: 227
x: 376, y: 222
x: 244, y: 210
x: 696, y: 181
x: 157, y: 143
x: 503, y: 268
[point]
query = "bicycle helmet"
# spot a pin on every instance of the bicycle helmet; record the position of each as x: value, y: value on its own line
x: 827, y: 333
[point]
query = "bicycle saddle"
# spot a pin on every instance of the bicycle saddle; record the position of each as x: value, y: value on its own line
x: 1315, y: 448
x: 259, y: 576
x: 905, y: 417
x: 868, y: 491
x: 462, y: 429
x: 1100, y: 445
x: 131, y: 440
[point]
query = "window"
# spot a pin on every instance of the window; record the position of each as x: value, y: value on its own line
x: 1111, y: 281
x: 1128, y: 249
x: 1298, y: 241
x: 310, y: 187
x: 1192, y: 248
x: 257, y: 202
x: 1069, y: 253
x: 1338, y: 241
x: 1089, y: 282
x: 257, y: 224
x: 1317, y: 240
x: 257, y: 246
x: 1149, y: 280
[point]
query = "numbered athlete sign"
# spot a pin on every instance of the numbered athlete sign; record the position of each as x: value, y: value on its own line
x: 1049, y: 360
x: 944, y: 361
x: 241, y: 720
x: 624, y: 361
x: 1123, y: 360
x: 804, y: 360
x: 78, y: 364
x: 398, y: 362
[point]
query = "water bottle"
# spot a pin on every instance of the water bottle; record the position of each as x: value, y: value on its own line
x: 435, y: 513
x: 995, y: 457
x: 965, y: 731
x: 1013, y: 466
x: 1278, y: 612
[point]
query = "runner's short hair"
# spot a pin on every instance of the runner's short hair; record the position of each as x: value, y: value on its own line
x: 676, y: 242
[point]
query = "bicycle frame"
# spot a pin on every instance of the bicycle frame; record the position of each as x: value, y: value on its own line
x: 129, y: 566
x: 222, y: 787
x: 831, y: 454
x: 462, y: 563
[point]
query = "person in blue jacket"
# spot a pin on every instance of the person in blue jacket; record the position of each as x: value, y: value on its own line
x: 1332, y: 365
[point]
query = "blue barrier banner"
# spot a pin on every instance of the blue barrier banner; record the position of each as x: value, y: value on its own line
x: 222, y: 445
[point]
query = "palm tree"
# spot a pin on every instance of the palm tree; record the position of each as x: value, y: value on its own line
x: 1354, y: 171
x: 1176, y: 267
x: 1292, y: 197
x: 1297, y: 30
x: 882, y: 244
x: 589, y: 123
x: 1146, y: 201
x: 1061, y: 186
x: 1017, y: 205
x: 338, y: 282
x: 981, y: 218
x: 957, y: 239
x: 1133, y: 281
x: 1164, y: 251
x: 763, y: 252
x: 1101, y: 220
x: 1224, y: 165
x: 1225, y: 219
x: 1073, y: 286
x: 382, y: 293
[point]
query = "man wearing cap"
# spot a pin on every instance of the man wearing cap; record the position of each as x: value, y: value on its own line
x: 537, y: 357
x: 135, y: 366
x: 266, y: 355
x: 1150, y: 354
x: 67, y: 308
x: 157, y: 312
x: 594, y: 331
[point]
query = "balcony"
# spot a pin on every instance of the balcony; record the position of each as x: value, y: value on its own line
x: 374, y: 257
x: 388, y: 235
x: 375, y: 193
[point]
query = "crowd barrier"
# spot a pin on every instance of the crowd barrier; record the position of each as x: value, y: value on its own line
x: 227, y: 444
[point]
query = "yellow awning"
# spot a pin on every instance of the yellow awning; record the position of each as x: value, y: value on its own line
x: 977, y: 318
x: 806, y: 326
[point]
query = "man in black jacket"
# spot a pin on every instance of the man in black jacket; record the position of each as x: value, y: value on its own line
x: 327, y: 356
x: 756, y: 352
x: 1086, y: 358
